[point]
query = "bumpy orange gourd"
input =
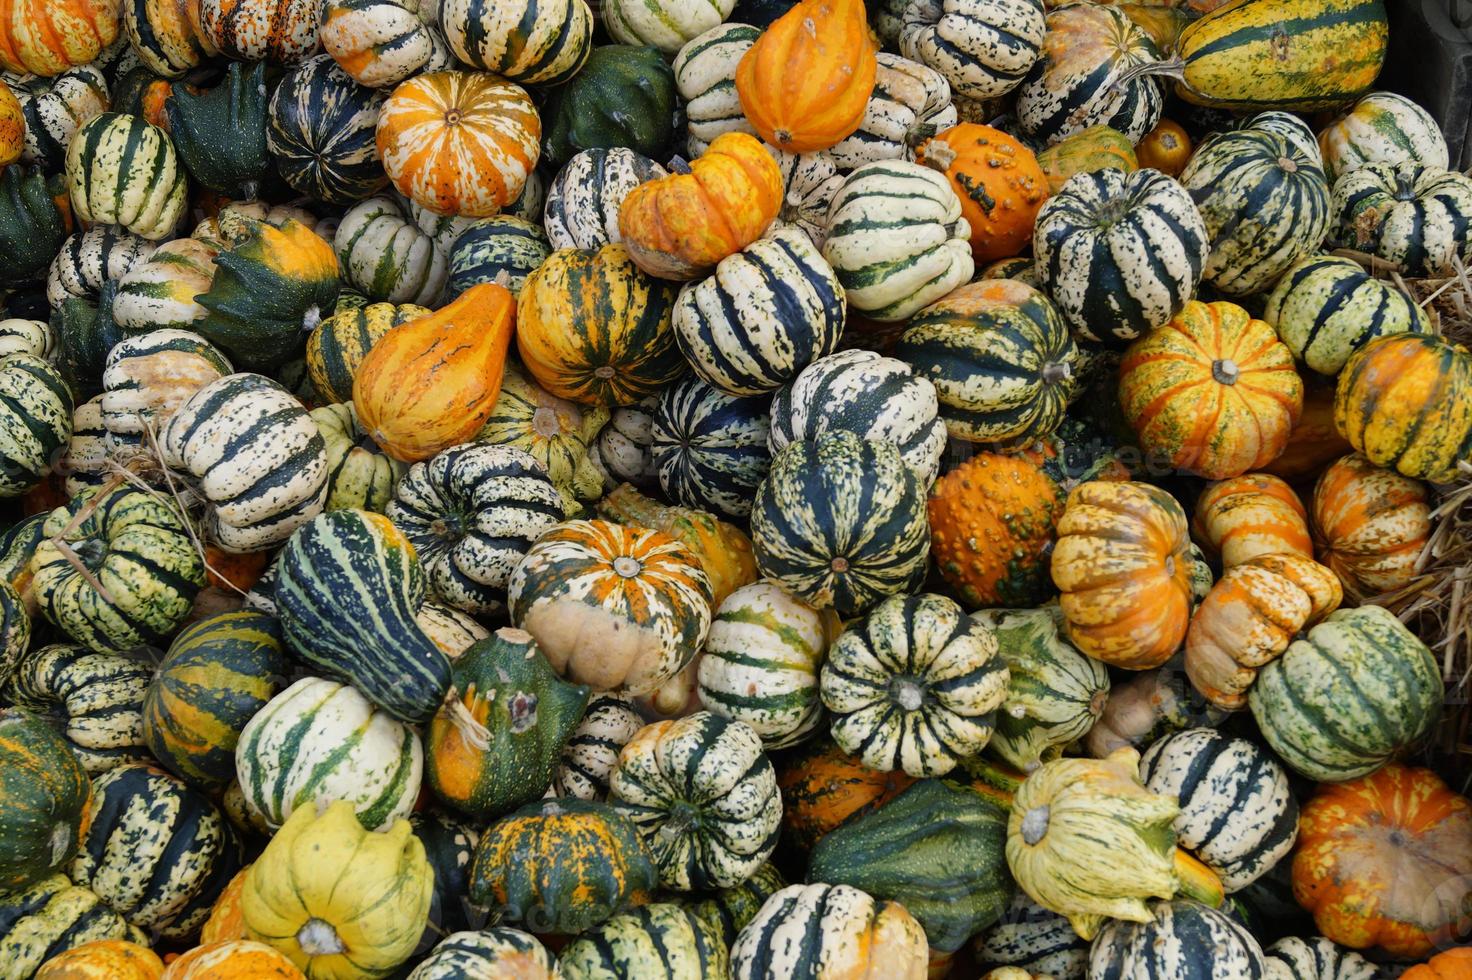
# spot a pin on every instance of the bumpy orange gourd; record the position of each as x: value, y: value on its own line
x: 46, y: 37
x: 1370, y: 525
x: 680, y: 226
x: 1123, y: 564
x: 1166, y: 148
x: 235, y: 959
x: 1214, y: 391
x: 999, y: 181
x: 12, y: 127
x: 1251, y: 515
x: 104, y: 959
x: 805, y: 84
x: 431, y: 383
x: 1454, y: 964
x: 1386, y: 860
x: 823, y: 787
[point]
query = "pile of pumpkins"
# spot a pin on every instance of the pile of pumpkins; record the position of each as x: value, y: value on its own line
x: 756, y: 489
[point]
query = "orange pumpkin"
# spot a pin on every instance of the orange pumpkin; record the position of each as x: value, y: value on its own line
x: 824, y: 787
x: 1214, y: 391
x: 1453, y: 964
x: 1315, y: 441
x: 225, y: 569
x: 1166, y: 148
x: 431, y: 383
x: 46, y: 37
x: 104, y: 959
x: 999, y: 181
x: 1370, y: 524
x: 459, y: 142
x: 805, y: 84
x: 1123, y: 564
x: 1248, y: 619
x: 234, y: 959
x: 12, y: 127
x: 680, y: 226
x: 1251, y: 515
x: 226, y: 920
x: 1386, y: 860
x: 280, y: 31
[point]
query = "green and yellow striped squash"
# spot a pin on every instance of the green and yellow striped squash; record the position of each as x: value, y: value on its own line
x: 55, y: 107
x: 95, y: 699
x: 88, y: 259
x: 359, y: 473
x: 662, y: 940
x: 1099, y: 147
x: 122, y: 171
x: 729, y: 910
x: 1032, y: 938
x: 502, y: 249
x: 217, y: 674
x: 50, y: 917
x: 818, y: 931
x: 339, y: 343
x: 35, y: 421
x: 18, y: 544
x: 48, y: 800
x: 488, y: 953
x: 532, y: 42
x: 555, y: 431
x: 15, y: 630
x: 162, y: 291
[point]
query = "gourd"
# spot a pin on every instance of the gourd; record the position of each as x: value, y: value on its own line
x: 842, y: 931
x: 530, y: 43
x: 705, y: 77
x: 220, y: 134
x: 1371, y: 525
x: 359, y: 474
x: 502, y: 249
x: 448, y: 628
x: 147, y: 378
x: 1030, y: 937
x: 1408, y: 215
x: 982, y: 47
x: 1219, y: 946
x: 809, y: 183
x: 12, y: 127
x: 1099, y: 147
x: 1250, y: 516
x: 48, y: 800
x: 321, y: 132
x: 710, y: 448
x: 55, y: 107
x: 449, y: 846
x: 88, y: 259
x: 51, y: 917
x: 1319, y: 959
x: 122, y: 171
x: 823, y: 787
x: 1166, y: 148
x: 35, y: 421
x: 555, y: 431
x: 911, y: 102
x: 381, y: 42
x: 592, y: 750
x: 484, y: 954
x: 31, y: 227
x: 624, y: 96
x: 659, y: 940
x: 666, y: 25
x: 1148, y: 706
x: 1381, y: 127
x: 15, y: 630
x: 1446, y: 965
x: 337, y: 346
x: 230, y: 958
x: 161, y: 292
x: 104, y: 959
x: 95, y: 700
x: 388, y: 258
x: 259, y: 30
x: 585, y: 197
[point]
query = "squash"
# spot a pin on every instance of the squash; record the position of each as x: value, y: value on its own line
x: 529, y: 43
x: 220, y: 133
x: 999, y: 182
x: 614, y: 607
x: 1383, y: 860
x: 585, y: 197
x: 48, y: 800
x: 12, y: 127
x: 94, y: 699
x: 381, y: 42
x: 591, y: 752
x: 459, y: 142
x: 1030, y: 937
x: 705, y: 78
x: 104, y: 959
x: 767, y: 312
x: 624, y: 96
x: 824, y: 932
x: 359, y: 473
x: 1315, y: 441
x: 1213, y: 392
x: 1401, y: 402
x: 823, y: 787
x: 621, y: 347
x: 496, y: 745
x: 52, y: 916
x: 824, y: 45
x: 1382, y: 127
x: 87, y: 260
x: 338, y: 344
x: 666, y: 25
x: 122, y: 171
x: 160, y: 293
x: 1166, y: 148
x: 279, y: 31
x: 1181, y: 939
x: 1250, y: 516
x: 15, y: 629
x: 147, y: 378
x: 218, y: 673
x: 1342, y: 701
x: 503, y: 249
x: 1371, y: 525
x: 910, y: 103
x: 54, y: 109
x: 470, y: 513
x: 231, y: 959
x: 1099, y: 147
x: 809, y: 182
x: 1449, y: 964
x: 35, y: 421
x: 652, y: 941
x: 562, y: 866
x: 554, y: 431
x: 364, y: 920
x: 984, y: 48
x: 388, y: 258
x: 448, y: 628
x: 1147, y: 707
x: 897, y: 239
x: 32, y: 229
x: 1091, y: 242
x: 46, y: 37
x: 485, y: 955
x: 1122, y: 564
x: 321, y: 132
x: 449, y: 846
x: 1410, y: 216
x: 1319, y: 959
x: 709, y: 448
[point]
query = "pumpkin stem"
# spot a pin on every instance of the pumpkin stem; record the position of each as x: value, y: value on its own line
x: 938, y: 155
x: 1056, y: 372
x: 1171, y: 68
x: 471, y: 731
x: 312, y: 317
x: 1225, y: 371
x: 907, y: 692
x: 318, y: 938
x: 1035, y: 824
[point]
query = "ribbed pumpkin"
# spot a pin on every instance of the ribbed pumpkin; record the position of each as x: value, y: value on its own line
x: 554, y: 431
x: 658, y: 940
x: 592, y: 750
x: 387, y: 257
x: 104, y: 959
x: 705, y: 77
x: 55, y: 108
x: 52, y: 916
x: 339, y: 343
x: 1213, y: 392
x: 709, y: 448
x: 530, y: 43
x: 94, y: 699
x: 984, y: 48
x: 1371, y: 525
x: 280, y: 31
x: 485, y: 954
x: 1249, y: 516
x: 1321, y: 959
x: 46, y: 37
x: 823, y: 787
x: 122, y: 171
x: 1382, y: 127
x: 37, y: 421
x: 503, y: 249
x: 380, y: 42
x: 234, y: 959
x: 48, y: 800
x: 160, y: 292
x: 146, y: 379
x: 321, y: 132
x: 1032, y: 939
x: 1450, y: 964
x: 1180, y: 939
x: 1096, y: 148
x: 359, y: 473
x: 1410, y: 216
x: 821, y: 932
x: 459, y: 142
x: 584, y: 200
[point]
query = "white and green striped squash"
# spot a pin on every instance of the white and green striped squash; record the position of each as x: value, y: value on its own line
x: 148, y: 377
x: 810, y: 181
x: 159, y: 292
x: 359, y: 473
x: 730, y: 909
x: 449, y: 847
x: 703, y: 796
x: 487, y: 954
x: 318, y: 742
x: 804, y: 931
x: 321, y: 130
x: 35, y: 421
x: 1416, y: 218
x: 1290, y: 127
x: 53, y: 915
x: 123, y: 171
x: 609, y: 721
x: 256, y: 456
x: 665, y: 24
x: 1120, y: 254
x: 85, y: 463
x: 761, y: 660
x: 710, y: 448
x: 660, y: 941
x: 621, y: 452
x: 584, y: 198
x: 1326, y: 308
x: 382, y: 42
x: 1238, y: 815
x: 767, y: 312
x: 95, y: 698
x: 502, y: 250
x: 841, y: 522
x: 471, y: 512
x: 705, y: 77
x: 1381, y: 127
x: 388, y: 258
x: 1317, y: 959
x: 1032, y: 938
x: 872, y: 396
x: 448, y: 628
x: 532, y: 42
x: 984, y: 48
x: 1054, y: 692
x: 1183, y: 940
x: 1342, y: 701
x: 915, y: 685
x: 1265, y: 204
x: 21, y: 336
x: 896, y: 239
x: 55, y: 108
x: 911, y: 102
x: 90, y: 258
x: 556, y: 432
x: 15, y: 630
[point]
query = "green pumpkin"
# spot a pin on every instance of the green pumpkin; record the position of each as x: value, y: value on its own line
x: 31, y: 227
x: 220, y: 134
x: 47, y: 795
x: 95, y: 699
x: 218, y: 673
x: 502, y: 249
x: 35, y: 421
x: 50, y: 917
x: 730, y: 909
x: 654, y: 942
x: 623, y: 96
x: 86, y: 332
x: 497, y: 745
x: 359, y: 473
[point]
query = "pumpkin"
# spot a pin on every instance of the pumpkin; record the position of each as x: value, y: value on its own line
x: 835, y: 931
x: 279, y: 31
x: 1092, y: 241
x: 562, y: 866
x: 1449, y: 964
x: 999, y: 182
x: 95, y: 699
x: 230, y: 959
x: 729, y: 910
x: 104, y: 959
x: 1400, y: 402
x: 459, y: 142
x: 1182, y: 939
x: 1371, y: 525
x: 321, y: 132
x: 1315, y: 441
x: 709, y: 448
x: 809, y: 182
x: 554, y: 431
x: 365, y: 919
x: 122, y: 171
x: 160, y: 293
x: 613, y: 607
x: 1319, y: 959
x: 15, y: 629
x: 592, y: 750
x: 659, y: 940
x: 666, y: 25
x: 984, y: 48
x: 87, y: 260
x: 705, y: 78
x: 1410, y: 216
x: 1382, y: 861
x: 46, y: 37
x: 380, y: 42
x: 621, y: 347
x: 37, y: 421
x: 502, y: 249
x: 911, y: 102
x: 338, y: 344
x: 359, y: 473
x: 1382, y: 127
x: 51, y: 917
x: 1099, y: 147
x: 1030, y: 937
x: 1250, y: 516
x: 48, y: 800
x: 485, y: 954
x: 624, y: 96
x: 388, y: 258
x: 585, y: 197
x: 1213, y: 392
x: 529, y: 43
x: 54, y: 109
x: 225, y: 921
x: 448, y: 628
x: 146, y: 379
x: 1166, y: 148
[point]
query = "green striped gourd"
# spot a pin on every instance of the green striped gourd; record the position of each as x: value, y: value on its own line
x: 802, y: 929
x: 321, y: 128
x: 533, y: 42
x: 448, y: 628
x: 35, y: 421
x: 1032, y: 938
x: 47, y: 800
x: 1181, y: 939
x: 123, y: 171
x: 387, y: 257
x: 1319, y: 959
x: 50, y: 917
x: 15, y: 630
x: 1326, y: 308
x: 590, y: 754
x: 160, y: 292
x: 503, y: 250
x: 710, y: 448
x: 90, y: 258
x: 85, y: 463
x: 20, y: 336
x: 1357, y: 690
x: 555, y: 431
x: 984, y: 48
x: 810, y: 181
x: 381, y: 42
x: 218, y: 673
x: 1054, y: 693
x: 318, y: 742
x: 18, y: 544
x: 1414, y: 217
x: 1382, y: 127
x: 55, y: 108
x: 148, y: 377
x: 347, y: 588
x: 729, y: 910
x: 489, y: 953
x: 339, y: 343
x: 359, y: 473
x: 449, y: 846
x: 705, y: 77
x: 911, y: 102
x: 761, y: 660
x: 662, y: 941
x: 584, y: 198
x: 665, y: 24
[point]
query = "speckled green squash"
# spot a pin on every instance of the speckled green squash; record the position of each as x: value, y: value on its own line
x: 95, y: 698
x: 710, y: 448
x: 730, y: 909
x: 47, y: 800
x: 52, y: 916
x: 662, y: 941
x: 359, y: 473
x: 35, y: 421
x: 502, y: 250
x: 122, y: 171
x: 591, y: 752
x: 556, y: 432
x: 485, y: 955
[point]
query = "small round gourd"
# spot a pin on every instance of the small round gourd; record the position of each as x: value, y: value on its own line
x: 386, y: 257
x: 710, y: 448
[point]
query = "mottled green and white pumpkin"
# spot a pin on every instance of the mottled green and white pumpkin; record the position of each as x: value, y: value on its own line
x: 487, y: 954
x: 1415, y: 217
x: 817, y: 931
x: 1317, y: 959
x: 1381, y: 127
x: 382, y: 42
x: 705, y: 77
x: 160, y: 292
x: 1032, y: 938
x: 665, y: 24
x: 321, y: 131
x: 810, y: 181
x: 35, y: 421
x: 90, y: 258
x: 911, y: 102
x: 448, y: 628
x: 387, y: 257
x: 590, y: 754
x: 984, y: 48
x: 660, y: 941
x: 55, y: 108
x: 555, y: 431
x: 710, y: 448
x: 52, y: 916
x: 502, y: 249
x: 1184, y: 940
x: 95, y: 699
x: 120, y: 170
x: 147, y: 378
x: 15, y: 630
x: 531, y: 42
x: 584, y: 198
x: 730, y: 909
x: 359, y: 473
x: 86, y: 461
x: 20, y: 336
x: 621, y: 453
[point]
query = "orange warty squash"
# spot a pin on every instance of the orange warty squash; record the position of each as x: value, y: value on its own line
x: 680, y: 226
x: 459, y: 142
x: 431, y: 383
x: 823, y: 787
x: 226, y: 920
x: 1123, y: 564
x: 805, y: 84
x: 1214, y: 391
x: 46, y: 37
x: 1370, y: 525
x: 1386, y: 860
x: 1315, y: 441
x: 12, y: 126
x: 999, y: 181
x: 103, y: 959
x: 1454, y: 964
x: 1251, y: 515
x: 1166, y: 148
x: 234, y: 959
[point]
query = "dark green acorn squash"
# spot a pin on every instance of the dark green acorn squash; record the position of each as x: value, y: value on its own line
x: 31, y: 227
x: 624, y: 96
x: 449, y: 846
x: 47, y: 800
x: 220, y: 134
